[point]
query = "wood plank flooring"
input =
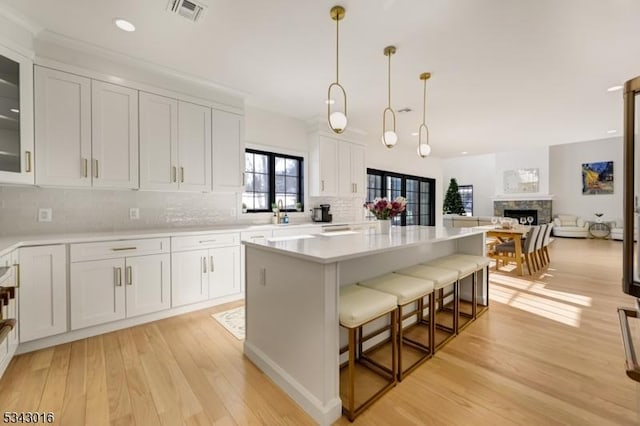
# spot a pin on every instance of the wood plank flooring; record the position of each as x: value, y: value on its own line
x: 547, y: 352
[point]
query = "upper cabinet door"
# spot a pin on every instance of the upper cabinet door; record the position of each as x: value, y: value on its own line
x: 158, y: 142
x: 328, y: 177
x: 358, y: 170
x: 16, y: 123
x: 114, y: 116
x: 228, y: 151
x: 346, y: 186
x: 63, y: 128
x: 194, y: 147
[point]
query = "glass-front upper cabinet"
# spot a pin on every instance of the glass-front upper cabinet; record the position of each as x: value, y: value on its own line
x: 16, y: 117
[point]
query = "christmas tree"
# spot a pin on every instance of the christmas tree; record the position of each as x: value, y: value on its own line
x: 453, y: 200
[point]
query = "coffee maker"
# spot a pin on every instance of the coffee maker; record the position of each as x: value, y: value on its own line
x: 321, y: 214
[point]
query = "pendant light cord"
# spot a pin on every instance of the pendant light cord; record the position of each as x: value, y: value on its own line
x: 424, y: 104
x: 389, y: 80
x: 337, y: 48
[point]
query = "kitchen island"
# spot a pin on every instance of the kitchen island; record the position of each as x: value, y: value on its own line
x: 292, y: 296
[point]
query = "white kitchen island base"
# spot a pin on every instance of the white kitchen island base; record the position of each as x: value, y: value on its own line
x: 292, y: 296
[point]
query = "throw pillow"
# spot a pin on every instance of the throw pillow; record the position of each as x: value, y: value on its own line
x: 557, y: 222
x: 580, y: 222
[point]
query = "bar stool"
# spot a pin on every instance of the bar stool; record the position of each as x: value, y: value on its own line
x: 409, y: 290
x: 482, y: 264
x: 441, y: 278
x: 359, y: 306
x: 465, y: 268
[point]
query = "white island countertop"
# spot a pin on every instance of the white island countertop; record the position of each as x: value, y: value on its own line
x: 334, y: 247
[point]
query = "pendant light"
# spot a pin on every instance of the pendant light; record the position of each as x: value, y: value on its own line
x: 337, y: 119
x: 424, y: 149
x: 389, y: 136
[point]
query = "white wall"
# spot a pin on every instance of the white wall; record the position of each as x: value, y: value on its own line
x: 566, y: 178
x: 476, y: 170
x: 275, y: 130
x: 14, y: 36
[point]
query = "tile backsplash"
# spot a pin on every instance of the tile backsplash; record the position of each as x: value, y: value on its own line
x: 80, y: 210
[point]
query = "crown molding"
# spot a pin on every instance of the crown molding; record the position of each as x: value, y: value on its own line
x: 102, y: 52
x: 19, y: 19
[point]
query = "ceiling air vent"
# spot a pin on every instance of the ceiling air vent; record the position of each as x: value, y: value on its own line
x: 192, y: 10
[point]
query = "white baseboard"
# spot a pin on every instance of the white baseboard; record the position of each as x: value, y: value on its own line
x: 322, y: 414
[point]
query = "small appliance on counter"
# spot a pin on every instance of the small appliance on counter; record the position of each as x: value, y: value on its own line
x: 321, y: 214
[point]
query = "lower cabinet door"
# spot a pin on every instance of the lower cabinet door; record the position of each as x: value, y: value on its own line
x: 189, y: 277
x: 97, y: 292
x: 224, y: 278
x: 147, y: 284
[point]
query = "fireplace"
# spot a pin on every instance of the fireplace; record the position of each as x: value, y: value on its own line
x: 517, y: 214
x: 541, y: 207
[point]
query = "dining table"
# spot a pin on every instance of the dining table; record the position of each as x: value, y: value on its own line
x: 517, y: 234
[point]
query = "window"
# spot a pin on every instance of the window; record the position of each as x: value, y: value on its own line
x: 466, y: 192
x: 419, y: 192
x: 271, y: 177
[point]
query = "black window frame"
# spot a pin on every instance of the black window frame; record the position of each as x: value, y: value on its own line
x: 403, y: 192
x: 466, y: 193
x: 272, y: 179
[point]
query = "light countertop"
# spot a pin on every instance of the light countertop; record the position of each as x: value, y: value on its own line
x: 334, y: 247
x: 7, y: 244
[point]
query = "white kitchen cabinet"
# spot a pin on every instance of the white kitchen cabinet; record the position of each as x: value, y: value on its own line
x: 97, y: 292
x: 114, y: 136
x: 351, y: 169
x: 189, y: 277
x: 107, y: 288
x: 194, y: 147
x: 62, y: 128
x: 323, y: 168
x: 158, y: 142
x: 43, y: 291
x: 175, y: 145
x: 86, y: 132
x: 16, y: 129
x: 224, y: 271
x: 204, y: 267
x: 228, y: 151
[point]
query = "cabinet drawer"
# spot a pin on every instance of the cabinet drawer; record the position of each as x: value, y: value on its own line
x: 196, y: 242
x: 120, y: 248
x: 257, y: 236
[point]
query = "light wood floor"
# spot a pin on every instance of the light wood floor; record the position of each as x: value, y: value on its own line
x: 547, y: 352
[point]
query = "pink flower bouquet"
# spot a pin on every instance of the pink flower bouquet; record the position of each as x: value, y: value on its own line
x: 384, y: 209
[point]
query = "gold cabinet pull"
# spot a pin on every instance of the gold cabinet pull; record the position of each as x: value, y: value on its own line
x: 181, y: 174
x: 129, y: 276
x: 322, y: 185
x: 28, y: 158
x: 123, y: 248
x: 95, y: 168
x: 174, y: 174
x: 211, y: 268
x: 85, y: 167
x: 204, y: 265
x: 118, y: 276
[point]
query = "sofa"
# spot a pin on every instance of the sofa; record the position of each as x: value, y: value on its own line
x: 570, y: 226
x: 617, y: 229
x: 458, y: 221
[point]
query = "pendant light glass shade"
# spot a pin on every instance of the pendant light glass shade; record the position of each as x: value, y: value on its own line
x: 337, y: 119
x: 424, y: 149
x: 389, y: 136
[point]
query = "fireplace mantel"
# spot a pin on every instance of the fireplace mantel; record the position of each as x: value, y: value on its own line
x: 523, y: 197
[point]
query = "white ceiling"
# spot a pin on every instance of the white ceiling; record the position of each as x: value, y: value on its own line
x: 507, y: 74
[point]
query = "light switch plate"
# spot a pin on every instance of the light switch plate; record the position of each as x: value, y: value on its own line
x: 45, y: 215
x: 134, y: 213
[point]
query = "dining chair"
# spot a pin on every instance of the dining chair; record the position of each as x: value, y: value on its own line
x: 537, y: 254
x: 545, y: 242
x: 528, y: 248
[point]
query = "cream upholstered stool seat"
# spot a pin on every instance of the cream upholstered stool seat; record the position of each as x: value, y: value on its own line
x: 441, y: 278
x: 359, y: 306
x: 482, y: 264
x: 408, y: 290
x: 466, y: 268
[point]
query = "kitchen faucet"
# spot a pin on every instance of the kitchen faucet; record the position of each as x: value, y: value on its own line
x: 280, y: 208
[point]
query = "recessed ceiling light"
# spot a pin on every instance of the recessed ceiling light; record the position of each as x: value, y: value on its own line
x: 614, y: 88
x: 414, y: 134
x: 464, y: 153
x: 612, y: 131
x: 329, y: 101
x: 14, y: 110
x: 124, y: 25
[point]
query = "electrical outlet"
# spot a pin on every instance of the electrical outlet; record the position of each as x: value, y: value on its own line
x: 134, y: 213
x: 45, y: 215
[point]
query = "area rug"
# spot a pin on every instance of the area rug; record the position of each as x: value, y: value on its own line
x: 232, y: 320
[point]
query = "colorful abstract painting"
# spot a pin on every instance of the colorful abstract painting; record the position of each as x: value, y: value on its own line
x: 597, y: 178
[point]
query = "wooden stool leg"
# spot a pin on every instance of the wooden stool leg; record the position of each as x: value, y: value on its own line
x: 397, y: 325
x: 352, y: 369
x: 474, y: 295
x: 432, y: 322
x: 456, y: 306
